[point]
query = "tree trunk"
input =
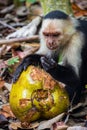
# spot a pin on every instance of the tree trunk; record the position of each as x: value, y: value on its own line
x: 18, y: 3
x: 49, y: 5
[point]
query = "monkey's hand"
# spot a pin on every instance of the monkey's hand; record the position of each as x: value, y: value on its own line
x: 32, y: 59
x: 48, y: 63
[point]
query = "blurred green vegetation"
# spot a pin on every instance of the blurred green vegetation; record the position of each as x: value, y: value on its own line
x: 49, y: 5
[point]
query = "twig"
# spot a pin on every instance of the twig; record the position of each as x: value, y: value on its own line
x: 68, y: 113
x: 2, y: 72
x: 72, y: 108
x: 48, y: 124
x: 25, y: 39
x: 7, y: 9
x: 6, y: 25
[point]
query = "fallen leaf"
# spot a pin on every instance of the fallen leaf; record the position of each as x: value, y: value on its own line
x: 60, y: 126
x: 8, y: 86
x: 1, y: 83
x: 3, y: 120
x: 7, y: 109
x: 49, y: 123
x: 77, y: 128
x: 15, y: 125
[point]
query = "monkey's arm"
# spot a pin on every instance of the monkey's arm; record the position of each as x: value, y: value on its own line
x: 33, y: 59
x: 65, y: 75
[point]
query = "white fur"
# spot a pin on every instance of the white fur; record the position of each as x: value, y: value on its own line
x: 72, y: 54
x: 43, y: 48
x: 73, y: 41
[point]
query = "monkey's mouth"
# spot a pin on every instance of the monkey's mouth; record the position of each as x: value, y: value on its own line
x: 54, y: 47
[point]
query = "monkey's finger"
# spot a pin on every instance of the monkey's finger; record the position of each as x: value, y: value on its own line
x: 26, y: 65
x: 49, y: 62
x: 52, y: 62
x: 15, y: 78
x: 21, y: 67
x: 45, y: 63
x: 30, y: 62
x: 45, y: 58
x: 17, y: 73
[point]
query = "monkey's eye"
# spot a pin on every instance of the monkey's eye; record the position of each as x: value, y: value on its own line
x: 53, y: 34
x: 45, y: 34
x: 56, y: 34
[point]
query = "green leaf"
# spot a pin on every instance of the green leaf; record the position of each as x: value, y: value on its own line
x: 10, y: 69
x: 21, y: 0
x: 60, y: 58
x: 13, y: 60
x: 31, y: 1
x: 86, y: 86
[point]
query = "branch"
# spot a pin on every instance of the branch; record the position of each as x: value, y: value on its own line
x: 48, y: 123
x: 15, y: 40
x: 6, y: 25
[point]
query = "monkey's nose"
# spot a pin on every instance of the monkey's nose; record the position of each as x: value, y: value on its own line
x: 51, y: 43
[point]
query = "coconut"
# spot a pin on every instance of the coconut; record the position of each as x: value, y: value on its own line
x: 37, y: 95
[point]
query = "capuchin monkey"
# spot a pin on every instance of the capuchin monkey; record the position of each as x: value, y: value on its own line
x: 66, y: 37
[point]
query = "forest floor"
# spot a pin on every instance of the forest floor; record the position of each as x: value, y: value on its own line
x: 12, y: 51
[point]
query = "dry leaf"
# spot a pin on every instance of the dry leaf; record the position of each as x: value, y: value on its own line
x: 26, y: 31
x: 6, y: 110
x: 49, y: 123
x: 8, y: 86
x: 1, y: 83
x: 3, y: 120
x: 59, y: 126
x: 77, y: 128
x: 78, y: 12
x: 15, y: 125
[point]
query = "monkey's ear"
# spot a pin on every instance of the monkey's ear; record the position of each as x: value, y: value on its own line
x: 31, y: 29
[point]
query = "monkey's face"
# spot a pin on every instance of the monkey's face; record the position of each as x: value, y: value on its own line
x: 52, y: 33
